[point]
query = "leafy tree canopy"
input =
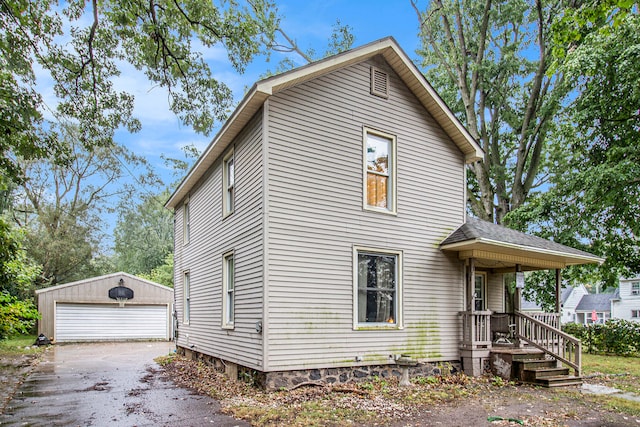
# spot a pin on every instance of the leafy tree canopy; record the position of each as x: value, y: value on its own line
x: 595, y: 198
x: 82, y: 45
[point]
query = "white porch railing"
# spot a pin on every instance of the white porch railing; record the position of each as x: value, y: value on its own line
x: 549, y: 339
x: 476, y: 329
x: 551, y: 319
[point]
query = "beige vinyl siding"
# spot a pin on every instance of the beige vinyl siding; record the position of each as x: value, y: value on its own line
x: 495, y: 292
x: 213, y: 235
x: 316, y: 217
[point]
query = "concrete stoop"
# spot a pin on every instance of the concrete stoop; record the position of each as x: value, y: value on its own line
x: 531, y: 367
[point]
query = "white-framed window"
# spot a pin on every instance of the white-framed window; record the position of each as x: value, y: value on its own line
x: 186, y: 221
x: 377, y: 281
x: 228, y: 183
x: 635, y: 288
x: 480, y: 291
x: 635, y: 314
x: 379, y: 171
x: 186, y: 284
x: 228, y: 289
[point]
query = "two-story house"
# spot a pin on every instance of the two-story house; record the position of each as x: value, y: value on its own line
x: 625, y: 303
x: 322, y: 234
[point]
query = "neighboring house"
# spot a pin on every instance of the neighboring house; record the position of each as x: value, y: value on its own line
x: 322, y: 234
x: 114, y: 307
x: 570, y: 298
x: 625, y: 303
x: 594, y: 304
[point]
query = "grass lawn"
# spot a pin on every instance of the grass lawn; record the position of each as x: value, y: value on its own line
x: 618, y: 372
x: 15, y: 346
x: 615, y: 371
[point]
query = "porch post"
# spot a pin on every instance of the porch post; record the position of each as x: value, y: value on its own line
x: 558, y: 289
x: 471, y: 301
x: 517, y: 306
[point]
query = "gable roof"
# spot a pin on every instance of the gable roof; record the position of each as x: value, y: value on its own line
x: 483, y: 237
x: 597, y: 302
x: 254, y: 99
x: 106, y: 276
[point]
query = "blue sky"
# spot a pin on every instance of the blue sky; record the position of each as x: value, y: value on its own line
x: 309, y: 22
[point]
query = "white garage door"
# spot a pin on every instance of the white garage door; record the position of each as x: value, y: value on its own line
x: 109, y: 322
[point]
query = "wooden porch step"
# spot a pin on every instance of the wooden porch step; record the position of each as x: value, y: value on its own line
x: 560, y: 381
x: 544, y: 372
x: 535, y: 375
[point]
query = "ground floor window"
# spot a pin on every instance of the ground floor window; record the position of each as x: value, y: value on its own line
x: 635, y: 314
x: 377, y: 279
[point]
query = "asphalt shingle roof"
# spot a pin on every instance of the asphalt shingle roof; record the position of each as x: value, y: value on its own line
x: 597, y: 302
x: 478, y: 229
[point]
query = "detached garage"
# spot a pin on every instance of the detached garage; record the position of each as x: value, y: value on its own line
x: 115, y: 307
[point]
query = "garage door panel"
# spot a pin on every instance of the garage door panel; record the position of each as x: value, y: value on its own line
x: 104, y: 322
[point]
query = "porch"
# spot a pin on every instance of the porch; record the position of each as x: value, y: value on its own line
x: 488, y: 252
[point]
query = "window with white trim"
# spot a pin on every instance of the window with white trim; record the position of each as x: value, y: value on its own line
x: 186, y: 220
x: 228, y: 183
x: 635, y: 314
x: 186, y: 283
x: 228, y: 289
x: 378, y: 284
x: 379, y: 171
x: 635, y: 288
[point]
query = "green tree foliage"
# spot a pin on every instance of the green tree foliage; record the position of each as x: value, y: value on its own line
x: 82, y: 46
x: 162, y: 274
x: 16, y: 316
x: 61, y: 207
x: 144, y: 235
x: 18, y: 273
x: 489, y: 60
x: 595, y: 197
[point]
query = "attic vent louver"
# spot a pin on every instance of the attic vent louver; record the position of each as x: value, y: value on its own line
x: 379, y: 83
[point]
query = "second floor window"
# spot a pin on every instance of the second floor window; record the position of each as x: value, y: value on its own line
x: 635, y: 288
x: 228, y: 183
x: 187, y: 223
x: 380, y: 171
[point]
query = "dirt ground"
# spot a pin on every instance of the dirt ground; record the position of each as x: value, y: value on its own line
x: 445, y: 402
x: 477, y: 403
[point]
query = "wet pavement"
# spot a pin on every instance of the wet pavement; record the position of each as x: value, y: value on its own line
x: 108, y: 384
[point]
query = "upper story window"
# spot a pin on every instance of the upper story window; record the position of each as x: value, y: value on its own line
x: 635, y: 288
x: 379, y: 171
x: 186, y: 220
x: 378, y: 282
x: 187, y: 298
x: 228, y: 183
x: 228, y: 289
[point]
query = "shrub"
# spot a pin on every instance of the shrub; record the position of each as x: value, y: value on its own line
x: 616, y: 336
x: 16, y: 316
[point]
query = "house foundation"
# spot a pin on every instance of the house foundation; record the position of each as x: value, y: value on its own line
x: 349, y: 374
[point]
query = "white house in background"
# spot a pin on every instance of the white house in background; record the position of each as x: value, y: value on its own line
x: 625, y: 303
x: 594, y: 304
x: 570, y: 298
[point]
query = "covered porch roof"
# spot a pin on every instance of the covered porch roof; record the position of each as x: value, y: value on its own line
x: 502, y: 249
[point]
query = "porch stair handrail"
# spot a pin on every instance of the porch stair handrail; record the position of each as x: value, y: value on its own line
x: 552, y: 341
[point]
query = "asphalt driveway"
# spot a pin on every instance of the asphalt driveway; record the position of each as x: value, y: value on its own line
x: 108, y: 384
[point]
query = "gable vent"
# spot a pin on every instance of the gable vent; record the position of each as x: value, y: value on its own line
x: 379, y: 83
